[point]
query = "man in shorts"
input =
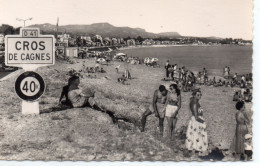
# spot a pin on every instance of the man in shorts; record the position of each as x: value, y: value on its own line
x: 157, y: 107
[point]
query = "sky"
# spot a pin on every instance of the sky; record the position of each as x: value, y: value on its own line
x: 202, y: 18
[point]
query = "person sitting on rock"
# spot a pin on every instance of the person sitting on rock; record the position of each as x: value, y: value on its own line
x: 75, y: 94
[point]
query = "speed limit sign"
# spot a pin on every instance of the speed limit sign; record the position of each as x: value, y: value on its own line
x: 29, y: 86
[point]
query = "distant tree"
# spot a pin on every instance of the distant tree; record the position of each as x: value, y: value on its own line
x: 7, y: 29
x: 125, y: 39
x: 78, y: 41
x: 140, y: 39
x: 84, y: 42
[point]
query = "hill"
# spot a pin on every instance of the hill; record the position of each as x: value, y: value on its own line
x: 105, y: 30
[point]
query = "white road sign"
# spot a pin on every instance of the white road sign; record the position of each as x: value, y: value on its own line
x: 29, y: 48
x: 29, y: 86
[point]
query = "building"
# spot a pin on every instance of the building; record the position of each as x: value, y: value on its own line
x: 130, y: 42
x: 64, y: 38
x: 2, y: 38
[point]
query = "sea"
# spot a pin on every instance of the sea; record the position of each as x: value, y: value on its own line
x: 195, y: 58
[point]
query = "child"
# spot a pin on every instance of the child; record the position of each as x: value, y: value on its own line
x: 236, y: 96
x: 247, y: 96
x: 248, y: 147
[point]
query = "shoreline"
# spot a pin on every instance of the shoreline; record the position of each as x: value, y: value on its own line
x: 180, y: 45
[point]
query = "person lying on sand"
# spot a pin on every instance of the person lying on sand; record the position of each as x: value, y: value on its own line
x: 157, y: 107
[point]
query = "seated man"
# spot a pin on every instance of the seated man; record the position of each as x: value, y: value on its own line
x: 76, y: 96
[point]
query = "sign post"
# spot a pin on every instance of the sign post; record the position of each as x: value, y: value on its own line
x: 29, y: 50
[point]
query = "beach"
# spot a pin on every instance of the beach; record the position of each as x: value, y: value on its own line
x: 195, y: 58
x: 88, y: 134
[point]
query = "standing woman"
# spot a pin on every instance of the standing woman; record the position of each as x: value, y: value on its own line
x: 242, y: 119
x: 173, y: 105
x: 197, y: 139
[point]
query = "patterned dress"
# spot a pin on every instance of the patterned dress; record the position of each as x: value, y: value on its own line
x: 197, y: 138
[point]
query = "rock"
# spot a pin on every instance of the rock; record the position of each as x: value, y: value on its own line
x: 91, y: 157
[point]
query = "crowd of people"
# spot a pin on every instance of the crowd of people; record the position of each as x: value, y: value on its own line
x: 187, y: 80
x: 167, y: 103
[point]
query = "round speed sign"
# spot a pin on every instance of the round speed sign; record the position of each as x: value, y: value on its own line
x: 29, y: 86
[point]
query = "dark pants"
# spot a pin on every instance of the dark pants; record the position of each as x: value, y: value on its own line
x: 167, y: 73
x: 172, y: 76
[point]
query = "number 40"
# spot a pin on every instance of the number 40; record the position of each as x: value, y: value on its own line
x: 31, y: 86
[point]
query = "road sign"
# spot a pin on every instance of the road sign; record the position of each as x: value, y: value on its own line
x: 29, y: 86
x: 29, y: 49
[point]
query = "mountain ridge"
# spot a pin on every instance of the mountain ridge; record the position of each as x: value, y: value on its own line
x: 105, y: 30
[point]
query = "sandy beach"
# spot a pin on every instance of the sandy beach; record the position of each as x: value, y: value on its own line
x: 88, y: 134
